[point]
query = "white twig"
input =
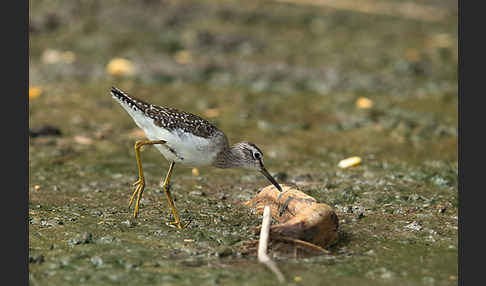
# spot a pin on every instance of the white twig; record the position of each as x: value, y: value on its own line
x: 263, y: 244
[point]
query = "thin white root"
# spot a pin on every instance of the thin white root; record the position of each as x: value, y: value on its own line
x: 263, y: 245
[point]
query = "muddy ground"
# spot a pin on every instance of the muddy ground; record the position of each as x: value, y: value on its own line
x: 286, y: 76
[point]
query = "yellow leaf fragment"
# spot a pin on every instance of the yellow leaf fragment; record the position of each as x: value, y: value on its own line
x: 183, y: 57
x: 51, y: 56
x: 364, y: 103
x: 68, y: 57
x: 412, y: 55
x: 120, y: 66
x: 195, y: 172
x: 442, y: 40
x: 34, y: 92
x: 83, y: 140
x: 349, y: 162
x: 212, y: 112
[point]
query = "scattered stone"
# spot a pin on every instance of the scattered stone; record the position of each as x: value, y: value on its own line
x: 197, y: 193
x: 381, y: 272
x: 84, y: 238
x: 97, y: 212
x: 370, y: 252
x: 51, y: 56
x: 439, y: 181
x: 131, y: 265
x: 222, y: 196
x: 83, y: 140
x: 386, y: 274
x: 441, y: 209
x: 108, y: 239
x: 36, y: 259
x: 129, y: 223
x: 97, y: 261
x: 224, y: 252
x: 358, y: 211
x: 52, y: 222
x: 45, y: 130
x: 161, y: 232
x: 193, y: 262
x: 414, y: 226
x: 398, y: 211
x: 35, y: 220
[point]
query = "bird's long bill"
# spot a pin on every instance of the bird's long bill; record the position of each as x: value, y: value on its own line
x: 270, y: 178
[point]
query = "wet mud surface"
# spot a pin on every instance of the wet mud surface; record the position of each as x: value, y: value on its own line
x: 286, y: 77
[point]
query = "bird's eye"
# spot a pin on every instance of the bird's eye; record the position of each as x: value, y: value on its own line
x: 257, y: 156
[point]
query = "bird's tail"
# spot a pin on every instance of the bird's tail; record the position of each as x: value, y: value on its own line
x: 120, y: 95
x: 128, y: 101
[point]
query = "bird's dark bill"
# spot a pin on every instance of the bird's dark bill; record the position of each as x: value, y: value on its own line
x: 270, y: 178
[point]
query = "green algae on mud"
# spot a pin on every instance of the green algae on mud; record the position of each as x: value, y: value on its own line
x: 398, y: 210
x: 375, y: 205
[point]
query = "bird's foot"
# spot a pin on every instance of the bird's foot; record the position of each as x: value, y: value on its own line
x: 177, y: 223
x: 140, y: 183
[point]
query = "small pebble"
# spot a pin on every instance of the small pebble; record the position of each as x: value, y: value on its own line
x: 370, y: 252
x: 197, y: 193
x: 128, y: 223
x: 108, y: 239
x: 45, y: 130
x: 414, y: 226
x: 224, y: 252
x: 97, y: 261
x: 84, y: 238
x: 36, y: 259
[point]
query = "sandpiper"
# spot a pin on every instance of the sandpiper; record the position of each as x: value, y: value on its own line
x: 188, y: 139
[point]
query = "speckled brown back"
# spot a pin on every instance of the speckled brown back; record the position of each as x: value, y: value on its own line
x: 168, y: 118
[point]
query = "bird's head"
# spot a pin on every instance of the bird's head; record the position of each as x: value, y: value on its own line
x: 251, y: 157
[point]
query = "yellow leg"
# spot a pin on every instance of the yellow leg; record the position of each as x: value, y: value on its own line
x: 140, y: 183
x: 177, y: 221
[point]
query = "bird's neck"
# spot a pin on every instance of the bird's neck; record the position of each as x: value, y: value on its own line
x: 228, y: 157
